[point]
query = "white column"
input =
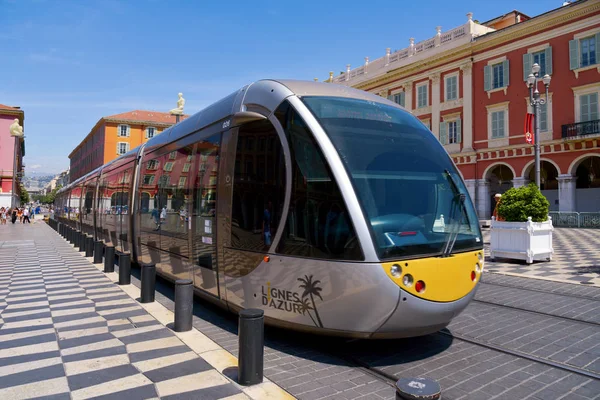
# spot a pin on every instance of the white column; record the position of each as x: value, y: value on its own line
x: 408, y: 90
x: 566, y: 192
x: 472, y: 188
x: 483, y: 199
x: 435, y: 105
x: 518, y: 182
x: 467, y: 124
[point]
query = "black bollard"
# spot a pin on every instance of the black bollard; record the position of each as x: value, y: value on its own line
x: 184, y: 305
x: 76, y: 238
x: 89, y: 246
x: 148, y: 283
x: 109, y: 258
x: 82, y: 242
x: 251, y: 346
x: 418, y: 388
x: 98, y: 248
x: 124, y: 269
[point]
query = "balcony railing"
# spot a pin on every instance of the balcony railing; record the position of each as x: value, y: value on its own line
x: 581, y: 129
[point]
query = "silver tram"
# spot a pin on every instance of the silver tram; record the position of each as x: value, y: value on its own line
x: 333, y: 209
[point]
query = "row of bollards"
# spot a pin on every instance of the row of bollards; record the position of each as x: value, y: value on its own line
x: 251, y: 321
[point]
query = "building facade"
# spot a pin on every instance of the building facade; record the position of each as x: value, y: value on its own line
x: 115, y: 135
x: 468, y: 85
x: 10, y: 148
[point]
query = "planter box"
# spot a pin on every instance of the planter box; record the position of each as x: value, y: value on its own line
x: 527, y: 241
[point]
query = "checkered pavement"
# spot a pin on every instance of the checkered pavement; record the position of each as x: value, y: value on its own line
x: 576, y: 258
x: 67, y: 331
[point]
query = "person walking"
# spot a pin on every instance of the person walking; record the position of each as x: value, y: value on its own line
x: 498, y: 198
x: 26, y: 215
x: 3, y: 215
x: 14, y: 216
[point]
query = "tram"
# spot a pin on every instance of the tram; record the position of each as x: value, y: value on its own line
x: 334, y: 210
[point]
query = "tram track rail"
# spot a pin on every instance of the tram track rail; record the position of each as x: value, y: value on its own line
x: 523, y: 355
x: 577, y: 296
x: 570, y: 319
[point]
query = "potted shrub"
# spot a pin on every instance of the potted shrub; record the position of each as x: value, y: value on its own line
x: 524, y: 229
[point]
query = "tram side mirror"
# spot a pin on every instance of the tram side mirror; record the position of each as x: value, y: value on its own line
x: 244, y: 117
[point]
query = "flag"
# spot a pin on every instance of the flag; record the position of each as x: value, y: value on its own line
x: 529, y: 117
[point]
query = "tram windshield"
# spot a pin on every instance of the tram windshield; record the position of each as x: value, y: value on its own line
x: 407, y: 184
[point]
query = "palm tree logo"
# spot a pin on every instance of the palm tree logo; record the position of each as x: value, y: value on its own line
x: 312, y: 289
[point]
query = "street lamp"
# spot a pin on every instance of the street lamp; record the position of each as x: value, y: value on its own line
x: 536, y: 102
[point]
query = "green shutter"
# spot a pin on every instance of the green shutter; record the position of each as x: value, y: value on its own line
x: 548, y: 52
x: 458, y: 132
x: 505, y: 68
x: 443, y: 133
x: 403, y: 99
x: 597, y: 47
x: 574, y: 54
x: 391, y: 97
x: 584, y: 108
x: 487, y: 78
x: 593, y: 106
x: 527, y: 58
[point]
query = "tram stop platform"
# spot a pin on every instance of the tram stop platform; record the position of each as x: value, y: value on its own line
x: 67, y: 331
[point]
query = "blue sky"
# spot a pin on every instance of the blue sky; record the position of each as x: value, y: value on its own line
x: 67, y: 63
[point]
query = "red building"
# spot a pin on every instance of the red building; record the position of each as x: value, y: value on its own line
x: 468, y: 85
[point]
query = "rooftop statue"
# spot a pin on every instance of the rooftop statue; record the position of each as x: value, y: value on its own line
x: 180, y: 104
x: 16, y: 130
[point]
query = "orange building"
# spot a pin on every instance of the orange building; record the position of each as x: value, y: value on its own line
x: 115, y: 135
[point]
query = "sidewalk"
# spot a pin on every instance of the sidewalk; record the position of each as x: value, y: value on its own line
x: 67, y: 331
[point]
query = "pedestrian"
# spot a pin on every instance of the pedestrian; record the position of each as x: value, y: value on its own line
x: 498, y: 198
x: 3, y: 215
x: 20, y: 214
x: 163, y: 216
x: 14, y: 216
x: 26, y: 215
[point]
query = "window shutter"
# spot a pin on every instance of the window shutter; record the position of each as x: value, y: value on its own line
x: 117, y: 147
x: 574, y: 54
x: 443, y: 132
x: 593, y: 106
x: 597, y: 47
x: 458, y: 132
x: 391, y: 97
x: 548, y: 52
x: 128, y: 130
x: 527, y: 65
x: 487, y: 77
x: 506, y: 72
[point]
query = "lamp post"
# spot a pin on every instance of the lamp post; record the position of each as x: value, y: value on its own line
x: 536, y: 102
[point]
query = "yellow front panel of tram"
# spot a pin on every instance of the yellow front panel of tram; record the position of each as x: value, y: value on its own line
x: 445, y: 279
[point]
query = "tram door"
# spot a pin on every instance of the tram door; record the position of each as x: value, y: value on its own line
x: 257, y: 188
x: 203, y: 218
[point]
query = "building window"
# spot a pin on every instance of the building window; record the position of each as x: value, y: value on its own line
x: 497, y: 124
x: 498, y: 76
x: 152, y: 165
x: 450, y: 132
x: 495, y: 75
x: 150, y: 132
x: 182, y: 180
x: 583, y: 52
x: 422, y: 92
x: 186, y: 167
x: 588, y: 107
x: 122, y: 148
x: 543, y: 58
x: 539, y: 58
x: 588, y: 51
x: 544, y: 117
x: 398, y: 98
x: 173, y: 155
x: 451, y: 87
x: 148, y: 179
x: 169, y: 166
x: 123, y: 130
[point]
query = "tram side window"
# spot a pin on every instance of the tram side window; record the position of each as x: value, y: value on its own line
x: 258, y: 188
x: 318, y: 224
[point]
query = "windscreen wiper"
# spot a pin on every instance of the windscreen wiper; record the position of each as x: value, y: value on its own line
x: 458, y: 201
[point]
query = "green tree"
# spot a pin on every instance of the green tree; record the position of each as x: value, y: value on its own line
x: 24, y: 195
x: 517, y: 204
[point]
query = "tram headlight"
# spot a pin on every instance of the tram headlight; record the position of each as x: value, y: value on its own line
x: 407, y: 280
x: 396, y: 270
